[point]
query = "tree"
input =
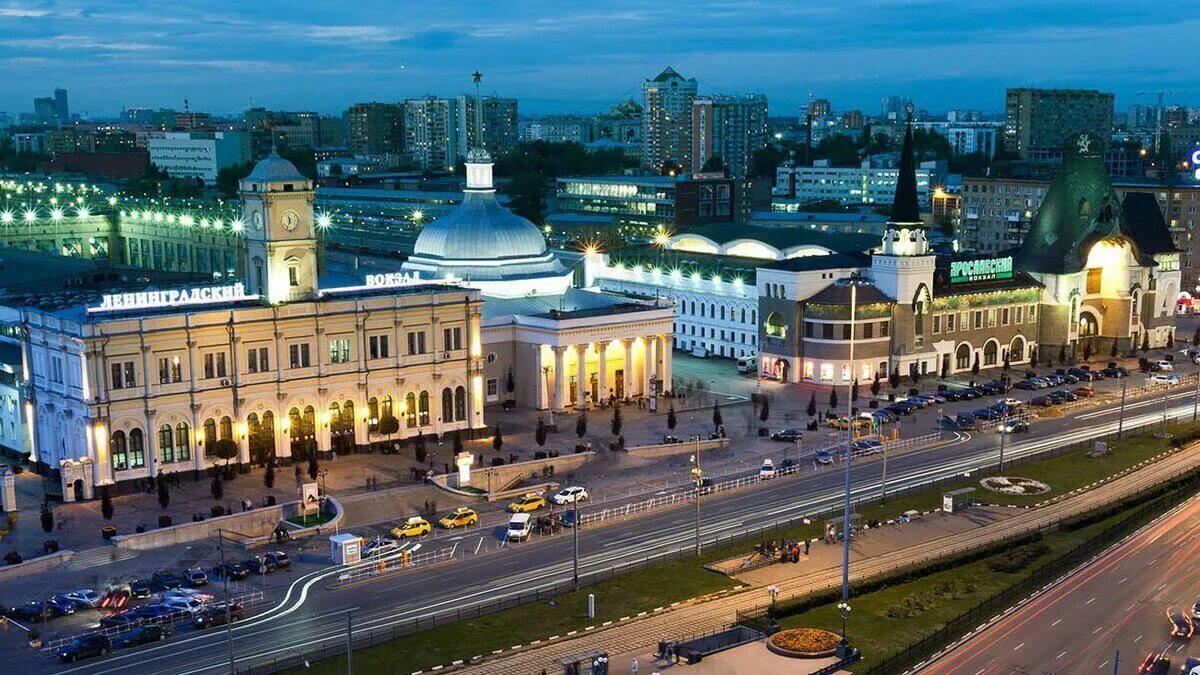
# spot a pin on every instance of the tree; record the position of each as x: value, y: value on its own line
x: 458, y: 442
x: 510, y: 385
x: 269, y: 476
x: 216, y: 488
x: 1113, y: 351
x: 1145, y: 342
x: 1171, y: 340
x: 527, y: 195
x: 497, y: 439
x: 47, y: 518
x: 581, y: 424
x: 914, y: 373
x: 1062, y: 354
x: 539, y: 433
x: 876, y: 385
x: 1087, y: 350
x: 1006, y: 365
x: 314, y: 468
x: 388, y: 425
x: 713, y: 164
x: 716, y: 417
x: 227, y: 450
x: 419, y: 451
x: 833, y: 399
x: 765, y: 412
x: 854, y: 391
x: 616, y: 420
x: 764, y: 161
x: 812, y: 405
x: 1033, y: 353
x: 669, y: 168
x: 975, y: 366
x: 106, y: 505
x: 228, y: 177
x: 671, y: 421
x: 164, y: 492
x: 894, y: 377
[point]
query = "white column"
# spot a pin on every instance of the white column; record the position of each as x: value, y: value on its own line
x: 560, y: 377
x: 581, y: 369
x: 665, y: 345
x: 631, y: 379
x: 602, y: 370
x: 648, y: 367
x: 541, y: 383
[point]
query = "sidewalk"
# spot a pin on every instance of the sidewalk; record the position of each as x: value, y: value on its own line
x: 636, y: 636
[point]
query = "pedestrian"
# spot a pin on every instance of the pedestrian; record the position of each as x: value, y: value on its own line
x: 633, y: 666
x: 806, y: 544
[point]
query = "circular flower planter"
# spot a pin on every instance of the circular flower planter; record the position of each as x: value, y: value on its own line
x: 804, y: 643
x: 1012, y: 485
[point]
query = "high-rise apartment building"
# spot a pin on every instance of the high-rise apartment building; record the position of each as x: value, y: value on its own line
x: 44, y: 110
x: 499, y: 120
x: 729, y: 127
x: 431, y: 132
x: 1038, y: 121
x: 667, y: 119
x: 376, y: 129
x: 61, y: 109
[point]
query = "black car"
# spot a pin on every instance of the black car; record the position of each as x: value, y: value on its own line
x: 988, y: 414
x: 165, y: 580
x: 1026, y: 385
x: 787, y: 435
x: 232, y: 570
x: 139, y: 588
x: 85, y: 646
x: 31, y: 611
x: 1082, y: 374
x: 952, y: 395
x: 144, y: 635
x: 279, y: 558
x: 120, y: 620
x: 972, y: 393
x: 214, y: 615
x: 1115, y: 372
x: 259, y: 564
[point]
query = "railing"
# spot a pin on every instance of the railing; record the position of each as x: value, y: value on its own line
x: 390, y: 565
x: 328, y: 647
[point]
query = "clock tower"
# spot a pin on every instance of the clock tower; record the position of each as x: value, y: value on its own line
x: 281, y: 238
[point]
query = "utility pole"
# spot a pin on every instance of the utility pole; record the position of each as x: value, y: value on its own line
x: 849, y: 461
x: 1196, y: 398
x: 1121, y: 414
x: 575, y: 546
x: 1117, y: 662
x: 883, y: 482
x: 698, y: 479
x: 1002, y: 435
x: 228, y: 602
x: 1166, y: 395
x: 349, y: 645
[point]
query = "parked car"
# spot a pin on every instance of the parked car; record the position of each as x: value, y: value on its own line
x: 195, y: 577
x: 787, y: 435
x: 120, y: 621
x: 883, y: 416
x: 144, y: 635
x: 140, y: 588
x: 1025, y: 385
x: 1083, y: 374
x: 1084, y: 392
x: 1013, y: 427
x: 823, y: 457
x: 216, y: 615
x: 33, y: 612
x: 788, y: 464
x: 530, y: 501
x: 767, y: 470
x: 972, y: 393
x: 164, y: 580
x: 231, y: 570
x: 1042, y: 402
x: 867, y: 445
x: 460, y: 517
x: 85, y: 646
x: 61, y: 605
x: 379, y: 547
x: 988, y: 414
x: 183, y: 605
x: 953, y: 395
x: 1162, y: 366
x: 570, y: 495
x: 259, y: 565
x: 84, y: 598
x: 188, y: 594
x: 1115, y: 372
x: 1163, y: 378
x: 415, y: 526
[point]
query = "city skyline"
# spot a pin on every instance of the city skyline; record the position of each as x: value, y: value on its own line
x: 222, y: 57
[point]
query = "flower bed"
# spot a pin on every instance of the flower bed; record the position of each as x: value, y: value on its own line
x: 804, y: 643
x: 1011, y: 485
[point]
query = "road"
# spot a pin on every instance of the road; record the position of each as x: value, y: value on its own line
x: 1118, y: 602
x: 310, y: 613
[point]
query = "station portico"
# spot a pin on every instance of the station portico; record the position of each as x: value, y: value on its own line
x: 624, y: 368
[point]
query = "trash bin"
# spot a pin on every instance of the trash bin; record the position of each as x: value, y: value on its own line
x: 108, y: 531
x: 164, y: 521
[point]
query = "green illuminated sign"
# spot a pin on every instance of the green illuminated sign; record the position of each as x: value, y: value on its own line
x: 983, y: 269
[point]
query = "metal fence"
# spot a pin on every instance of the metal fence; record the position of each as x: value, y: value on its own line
x: 391, y: 565
x: 329, y: 647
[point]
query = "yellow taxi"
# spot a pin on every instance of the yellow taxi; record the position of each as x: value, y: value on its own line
x: 858, y: 423
x: 413, y: 527
x: 461, y: 517
x: 531, y: 501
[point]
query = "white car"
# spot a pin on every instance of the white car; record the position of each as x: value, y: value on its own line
x: 84, y: 597
x: 188, y: 594
x: 189, y: 605
x: 1164, y: 366
x: 379, y: 547
x: 767, y: 470
x: 1160, y: 378
x: 569, y: 495
x: 1011, y: 402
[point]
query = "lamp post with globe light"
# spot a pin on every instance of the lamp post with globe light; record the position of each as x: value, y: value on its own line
x: 844, y: 610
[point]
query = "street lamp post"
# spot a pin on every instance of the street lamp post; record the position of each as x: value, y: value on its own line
x: 849, y: 442
x: 1003, y: 433
x: 1196, y: 398
x: 844, y: 610
x: 698, y: 479
x: 575, y: 546
x: 1121, y: 413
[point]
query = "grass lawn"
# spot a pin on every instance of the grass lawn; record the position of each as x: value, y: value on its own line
x: 664, y: 584
x: 615, y: 598
x: 878, y: 635
x: 311, y: 520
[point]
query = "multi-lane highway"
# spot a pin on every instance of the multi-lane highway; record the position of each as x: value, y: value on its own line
x: 311, y: 613
x: 1118, y: 604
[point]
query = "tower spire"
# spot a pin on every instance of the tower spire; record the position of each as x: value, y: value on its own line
x: 477, y: 77
x: 905, y: 208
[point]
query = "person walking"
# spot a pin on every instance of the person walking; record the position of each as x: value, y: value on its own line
x: 633, y: 666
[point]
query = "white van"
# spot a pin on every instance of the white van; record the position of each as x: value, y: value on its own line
x: 747, y: 364
x: 700, y: 351
x: 519, y: 527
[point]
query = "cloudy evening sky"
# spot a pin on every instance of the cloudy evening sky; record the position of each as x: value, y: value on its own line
x: 560, y: 56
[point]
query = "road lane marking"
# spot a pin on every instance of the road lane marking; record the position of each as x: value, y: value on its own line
x: 1123, y: 580
x: 1056, y: 622
x: 1098, y: 629
x: 1018, y: 646
x: 1137, y: 638
x: 1090, y: 601
x: 1060, y: 655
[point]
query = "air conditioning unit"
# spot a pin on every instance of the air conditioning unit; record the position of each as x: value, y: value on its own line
x: 224, y: 383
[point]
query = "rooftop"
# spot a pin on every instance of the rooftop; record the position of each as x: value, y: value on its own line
x: 783, y: 237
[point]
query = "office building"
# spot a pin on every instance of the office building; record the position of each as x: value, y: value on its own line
x: 646, y: 205
x: 971, y: 140
x: 45, y: 111
x: 891, y: 108
x: 1037, y: 122
x: 199, y: 154
x: 557, y: 129
x: 729, y: 127
x: 667, y: 120
x: 62, y: 110
x: 852, y: 186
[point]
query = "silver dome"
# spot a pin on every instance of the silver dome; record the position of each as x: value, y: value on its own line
x: 274, y: 168
x: 480, y: 229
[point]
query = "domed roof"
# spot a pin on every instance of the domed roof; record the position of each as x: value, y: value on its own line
x: 274, y: 168
x: 480, y: 229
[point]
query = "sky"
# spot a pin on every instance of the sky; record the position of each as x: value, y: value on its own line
x: 572, y: 56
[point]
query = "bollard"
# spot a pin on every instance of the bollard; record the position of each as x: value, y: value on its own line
x: 591, y: 605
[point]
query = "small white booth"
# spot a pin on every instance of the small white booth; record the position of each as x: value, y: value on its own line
x: 345, y: 548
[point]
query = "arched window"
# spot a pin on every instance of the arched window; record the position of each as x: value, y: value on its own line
x: 310, y: 422
x: 166, y: 444
x: 341, y: 427
x: 387, y: 408
x: 1133, y: 304
x: 722, y: 312
x: 776, y: 326
x: 1016, y: 349
x: 118, y: 451
x: 989, y: 353
x: 410, y: 410
x: 183, y: 442
x: 702, y: 309
x: 295, y: 433
x: 226, y: 430
x: 372, y: 415
x: 962, y: 357
x: 423, y: 409
x: 693, y: 312
x: 210, y: 437
x: 447, y: 405
x: 754, y: 316
x: 460, y: 404
x: 1088, y: 326
x: 137, y: 449
x: 712, y: 310
x: 743, y: 315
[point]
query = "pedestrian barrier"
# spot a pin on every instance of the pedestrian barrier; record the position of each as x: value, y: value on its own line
x: 392, y: 564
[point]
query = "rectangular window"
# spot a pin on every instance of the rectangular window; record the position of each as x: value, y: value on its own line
x: 257, y: 360
x: 1033, y: 314
x: 379, y: 346
x: 339, y: 350
x: 1004, y: 317
x: 452, y: 338
x: 1093, y: 279
x: 937, y: 324
x: 416, y: 343
x: 170, y: 369
x: 978, y: 320
x: 123, y: 375
x: 827, y: 331
x: 1019, y: 316
x: 808, y: 329
x: 991, y: 318
x: 56, y: 369
x: 493, y: 389
x: 883, y: 329
x: 868, y: 331
x: 950, y: 323
x: 846, y: 331
x: 299, y: 356
x: 214, y: 365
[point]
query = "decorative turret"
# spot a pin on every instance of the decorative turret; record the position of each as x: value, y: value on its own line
x: 904, y: 265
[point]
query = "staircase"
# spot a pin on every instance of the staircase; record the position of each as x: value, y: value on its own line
x: 371, y: 508
x: 100, y: 556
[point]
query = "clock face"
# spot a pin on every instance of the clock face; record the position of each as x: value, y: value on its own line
x: 257, y: 220
x: 290, y: 220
